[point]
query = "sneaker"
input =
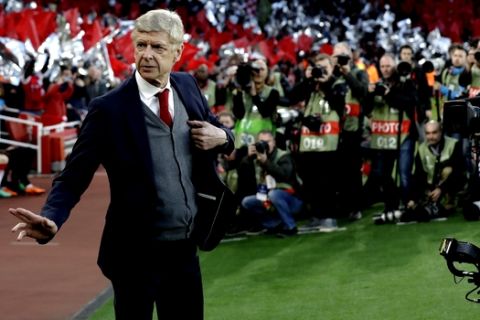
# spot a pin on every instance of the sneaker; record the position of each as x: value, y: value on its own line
x: 328, y: 225
x: 285, y: 233
x: 313, y: 224
x: 4, y: 194
x: 255, y: 231
x: 355, y: 215
x: 33, y: 190
x: 235, y: 232
x: 10, y: 191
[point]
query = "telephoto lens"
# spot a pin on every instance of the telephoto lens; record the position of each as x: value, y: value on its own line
x: 261, y: 146
x: 404, y: 68
x: 318, y: 72
x: 342, y: 59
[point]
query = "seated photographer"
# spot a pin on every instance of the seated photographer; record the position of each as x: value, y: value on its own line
x: 438, y: 176
x: 275, y: 202
x: 254, y: 107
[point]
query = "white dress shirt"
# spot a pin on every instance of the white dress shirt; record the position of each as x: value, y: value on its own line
x: 148, y: 94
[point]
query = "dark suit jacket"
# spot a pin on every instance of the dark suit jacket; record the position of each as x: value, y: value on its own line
x: 114, y: 135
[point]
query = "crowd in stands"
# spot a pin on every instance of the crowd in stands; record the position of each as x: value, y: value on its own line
x: 359, y: 130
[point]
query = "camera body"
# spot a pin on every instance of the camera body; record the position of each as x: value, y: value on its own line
x: 342, y: 59
x: 404, y: 68
x: 318, y: 72
x: 243, y: 76
x: 380, y: 89
x: 462, y: 116
x: 429, y: 210
x: 477, y: 56
x: 261, y: 146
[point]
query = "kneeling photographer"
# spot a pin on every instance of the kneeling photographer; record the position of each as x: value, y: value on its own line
x: 439, y: 175
x: 275, y: 202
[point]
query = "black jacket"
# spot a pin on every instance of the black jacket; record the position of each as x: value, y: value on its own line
x: 114, y: 135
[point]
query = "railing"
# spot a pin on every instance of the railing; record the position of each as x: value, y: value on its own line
x: 34, y: 127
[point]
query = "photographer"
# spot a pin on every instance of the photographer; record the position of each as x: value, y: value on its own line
x: 254, y: 102
x: 418, y: 74
x: 207, y: 85
x: 393, y: 104
x: 474, y: 88
x: 352, y: 84
x: 275, y: 202
x: 439, y: 175
x: 254, y: 107
x: 319, y: 138
x: 57, y: 94
x: 451, y: 86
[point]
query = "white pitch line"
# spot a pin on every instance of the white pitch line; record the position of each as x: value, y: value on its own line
x: 32, y: 243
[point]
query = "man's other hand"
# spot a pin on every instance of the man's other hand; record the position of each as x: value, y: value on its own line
x: 33, y: 225
x: 205, y: 135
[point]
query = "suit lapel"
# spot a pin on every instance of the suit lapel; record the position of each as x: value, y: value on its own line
x: 183, y: 91
x: 136, y: 121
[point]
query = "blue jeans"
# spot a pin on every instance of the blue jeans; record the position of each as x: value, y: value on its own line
x: 405, y: 166
x: 285, y: 204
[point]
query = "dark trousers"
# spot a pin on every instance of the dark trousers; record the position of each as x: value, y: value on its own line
x: 350, y: 172
x: 381, y: 176
x: 319, y: 172
x: 171, y: 279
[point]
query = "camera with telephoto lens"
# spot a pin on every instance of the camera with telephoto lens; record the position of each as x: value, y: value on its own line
x: 462, y: 118
x: 404, y: 68
x: 477, y: 56
x: 429, y: 210
x: 427, y: 66
x: 457, y: 252
x: 243, y: 76
x: 380, y: 89
x: 318, y: 72
x: 261, y: 146
x: 342, y: 59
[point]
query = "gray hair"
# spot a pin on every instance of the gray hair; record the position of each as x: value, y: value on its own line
x: 161, y: 20
x: 343, y: 47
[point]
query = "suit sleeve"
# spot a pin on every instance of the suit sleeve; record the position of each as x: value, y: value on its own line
x: 208, y: 116
x: 81, y: 165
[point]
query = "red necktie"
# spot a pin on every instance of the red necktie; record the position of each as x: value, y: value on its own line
x: 164, y: 113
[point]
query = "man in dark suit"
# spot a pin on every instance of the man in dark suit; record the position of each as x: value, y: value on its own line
x: 159, y: 156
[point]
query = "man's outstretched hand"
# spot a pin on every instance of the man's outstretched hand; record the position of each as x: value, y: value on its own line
x: 33, y: 225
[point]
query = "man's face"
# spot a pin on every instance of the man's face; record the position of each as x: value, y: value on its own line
x: 201, y: 74
x: 387, y: 66
x: 269, y: 139
x: 155, y: 56
x: 459, y: 58
x: 471, y: 56
x: 406, y: 55
x: 433, y: 133
x: 226, y: 121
